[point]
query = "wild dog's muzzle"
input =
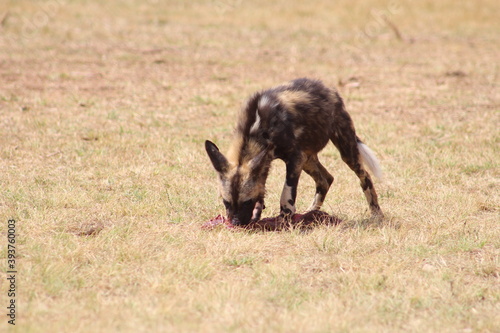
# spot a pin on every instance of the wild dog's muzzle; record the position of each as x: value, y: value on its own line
x: 247, y: 213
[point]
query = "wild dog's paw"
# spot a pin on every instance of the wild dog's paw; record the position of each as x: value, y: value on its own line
x: 285, y: 212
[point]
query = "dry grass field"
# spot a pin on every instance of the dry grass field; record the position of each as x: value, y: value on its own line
x: 104, y: 109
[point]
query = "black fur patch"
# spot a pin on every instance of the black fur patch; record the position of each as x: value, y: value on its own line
x: 292, y: 122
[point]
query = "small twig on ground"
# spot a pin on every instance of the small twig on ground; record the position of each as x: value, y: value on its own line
x: 53, y: 154
x: 168, y: 198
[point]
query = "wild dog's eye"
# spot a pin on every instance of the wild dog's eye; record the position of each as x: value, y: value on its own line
x: 226, y: 204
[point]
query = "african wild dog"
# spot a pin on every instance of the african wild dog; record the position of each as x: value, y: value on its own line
x: 292, y: 122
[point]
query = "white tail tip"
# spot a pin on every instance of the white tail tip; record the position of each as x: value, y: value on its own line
x: 369, y: 160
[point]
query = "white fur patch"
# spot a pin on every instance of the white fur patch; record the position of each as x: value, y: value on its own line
x: 317, y: 203
x: 263, y: 102
x: 369, y: 159
x: 286, y: 196
x: 255, y: 125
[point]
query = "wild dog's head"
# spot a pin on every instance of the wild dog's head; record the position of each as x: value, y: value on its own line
x: 242, y: 184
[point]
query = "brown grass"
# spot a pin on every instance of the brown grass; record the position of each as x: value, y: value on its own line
x: 104, y: 107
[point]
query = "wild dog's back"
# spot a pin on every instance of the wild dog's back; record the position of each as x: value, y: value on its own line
x: 300, y: 113
x: 292, y: 122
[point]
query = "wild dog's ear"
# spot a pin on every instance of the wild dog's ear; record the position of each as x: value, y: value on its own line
x: 218, y: 160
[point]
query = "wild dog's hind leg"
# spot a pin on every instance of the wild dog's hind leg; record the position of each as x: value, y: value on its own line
x: 322, y: 178
x: 289, y: 195
x: 347, y: 144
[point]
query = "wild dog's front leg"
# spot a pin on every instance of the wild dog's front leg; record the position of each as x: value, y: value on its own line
x: 322, y: 178
x: 289, y: 194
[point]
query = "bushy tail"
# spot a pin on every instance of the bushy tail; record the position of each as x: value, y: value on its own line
x: 369, y: 159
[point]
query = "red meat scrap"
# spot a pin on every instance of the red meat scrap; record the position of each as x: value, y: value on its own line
x: 302, y: 221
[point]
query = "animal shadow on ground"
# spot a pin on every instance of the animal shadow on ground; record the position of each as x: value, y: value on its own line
x: 301, y: 222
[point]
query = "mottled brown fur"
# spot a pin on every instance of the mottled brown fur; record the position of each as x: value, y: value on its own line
x: 292, y: 122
